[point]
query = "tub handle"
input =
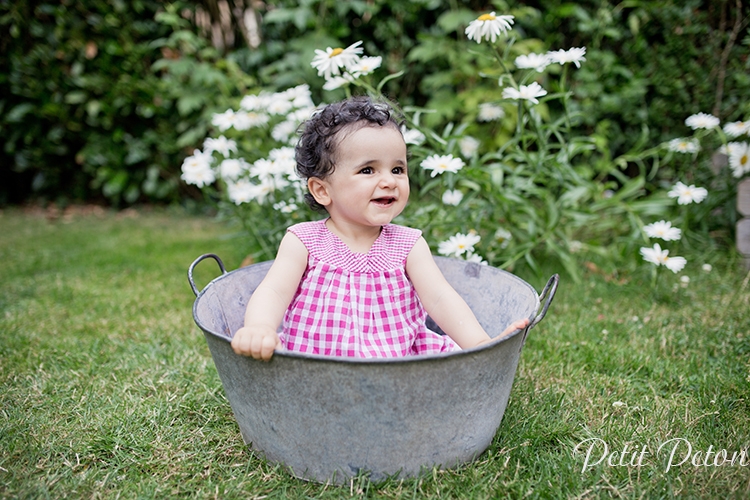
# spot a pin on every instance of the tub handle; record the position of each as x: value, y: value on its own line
x: 195, y: 263
x: 548, y: 293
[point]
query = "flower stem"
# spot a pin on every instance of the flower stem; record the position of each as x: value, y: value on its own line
x: 519, y: 125
x: 563, y: 80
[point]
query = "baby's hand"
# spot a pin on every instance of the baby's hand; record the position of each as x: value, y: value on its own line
x: 258, y: 342
x: 516, y: 325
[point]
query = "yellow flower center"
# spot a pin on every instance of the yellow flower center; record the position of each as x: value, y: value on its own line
x: 336, y: 52
x: 744, y: 160
x: 486, y: 17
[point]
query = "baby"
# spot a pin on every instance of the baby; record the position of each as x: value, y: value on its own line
x: 354, y: 284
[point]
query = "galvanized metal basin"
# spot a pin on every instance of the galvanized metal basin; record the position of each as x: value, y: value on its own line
x: 328, y: 419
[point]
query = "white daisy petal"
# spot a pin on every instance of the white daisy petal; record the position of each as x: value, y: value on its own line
x: 687, y: 194
x: 701, y: 121
x: 664, y: 230
x: 439, y: 164
x: 488, y: 26
x: 574, y: 55
x: 736, y: 129
x: 528, y: 92
x: 739, y: 159
x: 330, y: 62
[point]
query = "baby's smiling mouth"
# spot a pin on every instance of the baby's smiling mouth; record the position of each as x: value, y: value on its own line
x: 385, y: 200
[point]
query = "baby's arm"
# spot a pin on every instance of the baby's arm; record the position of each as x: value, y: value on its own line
x: 269, y: 302
x: 443, y: 303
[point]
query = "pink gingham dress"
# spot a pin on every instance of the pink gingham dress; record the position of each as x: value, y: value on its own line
x: 355, y: 304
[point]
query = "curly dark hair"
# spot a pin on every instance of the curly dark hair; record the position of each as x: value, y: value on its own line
x: 316, y: 150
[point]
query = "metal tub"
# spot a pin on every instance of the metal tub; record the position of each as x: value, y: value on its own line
x: 328, y: 419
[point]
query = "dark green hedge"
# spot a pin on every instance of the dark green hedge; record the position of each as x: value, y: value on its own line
x: 102, y: 99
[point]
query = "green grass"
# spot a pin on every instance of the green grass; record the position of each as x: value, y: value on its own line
x: 107, y: 388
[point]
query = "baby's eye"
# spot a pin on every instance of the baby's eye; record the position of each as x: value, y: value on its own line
x: 398, y: 170
x: 366, y: 170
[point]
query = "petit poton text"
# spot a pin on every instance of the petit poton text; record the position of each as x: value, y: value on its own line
x: 671, y: 454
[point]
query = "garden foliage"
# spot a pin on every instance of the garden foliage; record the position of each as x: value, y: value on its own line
x: 104, y: 98
x: 109, y: 98
x: 519, y: 170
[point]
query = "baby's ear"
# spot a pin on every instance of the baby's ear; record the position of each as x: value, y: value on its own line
x: 319, y: 190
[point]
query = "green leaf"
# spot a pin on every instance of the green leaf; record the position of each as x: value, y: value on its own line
x: 186, y: 104
x: 454, y: 20
x: 75, y: 97
x: 17, y: 113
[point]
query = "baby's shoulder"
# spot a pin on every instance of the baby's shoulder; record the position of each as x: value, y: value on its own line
x: 402, y: 234
x: 308, y: 231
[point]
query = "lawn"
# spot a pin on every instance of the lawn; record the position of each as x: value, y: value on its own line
x: 108, y: 390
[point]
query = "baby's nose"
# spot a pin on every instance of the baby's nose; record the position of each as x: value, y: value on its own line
x: 387, y: 179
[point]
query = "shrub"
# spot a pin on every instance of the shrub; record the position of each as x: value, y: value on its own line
x: 101, y: 99
x: 517, y: 180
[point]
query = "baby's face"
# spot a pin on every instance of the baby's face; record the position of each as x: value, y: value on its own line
x: 370, y: 183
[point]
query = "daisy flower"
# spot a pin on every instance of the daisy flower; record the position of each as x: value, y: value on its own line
x: 223, y: 121
x: 302, y: 114
x: 574, y: 55
x: 231, y: 168
x: 529, y: 92
x: 266, y: 187
x: 196, y: 169
x: 279, y: 106
x: 739, y: 159
x: 336, y: 82
x: 452, y: 197
x: 241, y: 191
x: 412, y: 136
x: 503, y: 236
x: 477, y: 259
x: 284, y: 130
x: 684, y: 145
x: 536, y: 61
x: 329, y: 62
x: 701, y: 120
x: 664, y: 230
x: 284, y: 207
x: 263, y: 169
x: 365, y: 66
x: 654, y: 255
x: 298, y: 93
x: 736, y: 129
x: 244, y: 120
x: 282, y: 154
x: 439, y: 164
x: 468, y: 146
x: 490, y: 112
x: 488, y: 26
x: 221, y: 144
x: 661, y: 257
x: 687, y: 194
x: 284, y: 162
x: 458, y: 244
x: 254, y: 102
x: 675, y: 264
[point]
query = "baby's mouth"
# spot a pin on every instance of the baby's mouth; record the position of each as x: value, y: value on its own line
x: 385, y: 200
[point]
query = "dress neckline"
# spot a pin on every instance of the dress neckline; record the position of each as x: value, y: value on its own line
x: 375, y: 244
